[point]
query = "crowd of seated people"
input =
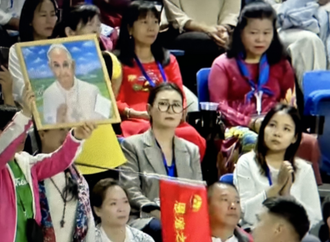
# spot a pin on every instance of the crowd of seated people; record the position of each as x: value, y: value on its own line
x: 60, y: 188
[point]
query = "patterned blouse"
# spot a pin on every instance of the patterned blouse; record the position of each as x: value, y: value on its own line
x: 132, y: 235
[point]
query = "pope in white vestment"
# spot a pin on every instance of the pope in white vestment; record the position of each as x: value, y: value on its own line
x: 79, y: 102
x: 68, y: 99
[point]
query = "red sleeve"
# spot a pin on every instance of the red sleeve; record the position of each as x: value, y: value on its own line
x: 218, y: 89
x: 12, y: 136
x: 121, y: 104
x: 173, y: 74
x: 288, y: 80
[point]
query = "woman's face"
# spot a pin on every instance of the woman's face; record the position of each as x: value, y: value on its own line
x: 52, y: 139
x: 44, y: 20
x: 145, y: 29
x: 167, y: 109
x: 279, y: 133
x: 257, y: 36
x: 91, y: 27
x: 115, y: 208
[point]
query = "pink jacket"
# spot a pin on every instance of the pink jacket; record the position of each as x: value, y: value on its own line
x: 35, y: 169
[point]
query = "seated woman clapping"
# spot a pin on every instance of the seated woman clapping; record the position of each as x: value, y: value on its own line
x: 111, y: 205
x: 273, y: 168
x: 158, y: 150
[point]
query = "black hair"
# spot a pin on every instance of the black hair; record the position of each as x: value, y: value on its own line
x: 324, y: 229
x: 290, y: 210
x: 210, y: 188
x: 99, y: 192
x: 164, y: 86
x: 72, y: 186
x: 126, y: 45
x: 257, y: 10
x: 26, y: 18
x: 6, y: 115
x: 261, y: 148
x: 72, y: 16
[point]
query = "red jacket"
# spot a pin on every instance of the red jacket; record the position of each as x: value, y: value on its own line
x: 229, y: 88
x: 134, y: 90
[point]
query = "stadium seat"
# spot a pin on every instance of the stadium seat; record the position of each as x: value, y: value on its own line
x: 202, y: 85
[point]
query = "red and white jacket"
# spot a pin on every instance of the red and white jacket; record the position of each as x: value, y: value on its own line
x: 35, y: 169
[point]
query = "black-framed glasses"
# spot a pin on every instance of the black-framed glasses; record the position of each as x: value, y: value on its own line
x: 165, y: 106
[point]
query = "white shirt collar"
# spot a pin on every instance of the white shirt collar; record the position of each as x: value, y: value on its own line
x: 231, y: 239
x: 105, y: 238
x: 75, y: 83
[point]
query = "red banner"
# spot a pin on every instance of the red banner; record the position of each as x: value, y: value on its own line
x: 184, y: 212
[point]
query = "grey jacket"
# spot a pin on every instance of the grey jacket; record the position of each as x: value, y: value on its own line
x: 143, y: 155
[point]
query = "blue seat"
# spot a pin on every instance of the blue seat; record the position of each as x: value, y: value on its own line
x: 227, y: 178
x: 202, y: 85
x: 316, y: 88
x: 177, y: 53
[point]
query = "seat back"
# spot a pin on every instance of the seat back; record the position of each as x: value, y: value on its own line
x: 202, y: 85
x: 314, y: 81
x: 227, y: 178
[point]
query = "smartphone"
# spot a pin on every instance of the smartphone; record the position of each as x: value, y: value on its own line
x: 106, y: 30
x: 4, y: 57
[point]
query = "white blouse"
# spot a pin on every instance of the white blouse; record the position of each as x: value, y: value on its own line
x: 231, y: 239
x: 56, y: 206
x: 132, y: 235
x: 252, y: 188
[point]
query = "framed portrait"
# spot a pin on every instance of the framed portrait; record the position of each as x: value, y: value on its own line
x: 70, y: 81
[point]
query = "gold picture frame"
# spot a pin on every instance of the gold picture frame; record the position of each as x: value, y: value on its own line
x: 67, y: 82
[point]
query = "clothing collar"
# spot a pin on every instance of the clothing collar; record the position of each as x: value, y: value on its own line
x: 75, y: 84
x: 105, y: 238
x: 150, y: 140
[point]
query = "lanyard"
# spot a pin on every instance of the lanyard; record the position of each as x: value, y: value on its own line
x: 145, y: 74
x: 258, y: 89
x: 269, y: 176
x: 170, y: 170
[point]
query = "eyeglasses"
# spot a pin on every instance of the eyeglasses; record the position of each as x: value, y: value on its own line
x: 165, y: 106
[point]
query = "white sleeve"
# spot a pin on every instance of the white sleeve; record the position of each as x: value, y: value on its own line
x: 16, y: 73
x: 4, y: 17
x: 49, y: 112
x: 251, y: 200
x: 310, y: 198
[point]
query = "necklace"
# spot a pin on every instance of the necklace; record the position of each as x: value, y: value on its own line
x: 64, y: 196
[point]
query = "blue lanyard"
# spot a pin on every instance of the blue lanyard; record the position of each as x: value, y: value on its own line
x: 147, y: 77
x: 11, y: 3
x: 269, y: 176
x: 263, y: 76
x: 170, y: 170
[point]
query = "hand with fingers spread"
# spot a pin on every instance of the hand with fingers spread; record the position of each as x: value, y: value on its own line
x: 85, y: 131
x: 28, y: 99
x: 6, y: 83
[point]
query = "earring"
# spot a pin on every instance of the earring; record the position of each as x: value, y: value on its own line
x: 130, y: 36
